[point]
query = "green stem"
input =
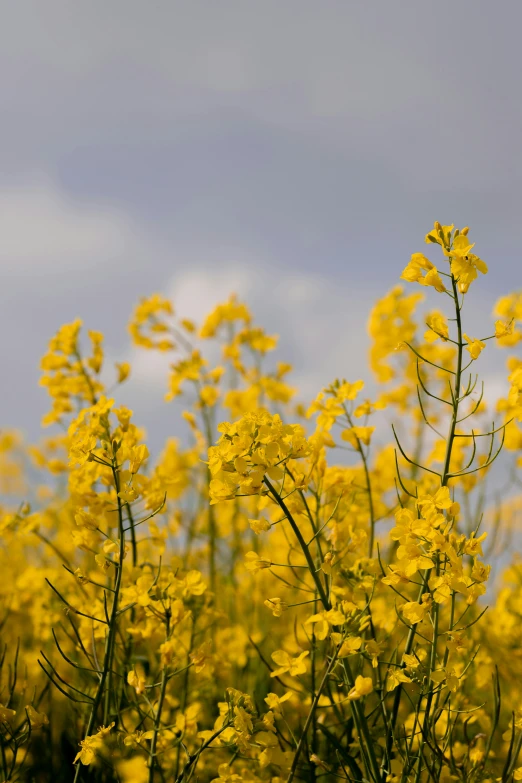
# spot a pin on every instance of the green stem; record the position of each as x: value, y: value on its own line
x: 398, y: 691
x: 157, y: 717
x: 368, y: 485
x: 111, y: 637
x: 458, y: 374
x: 193, y: 758
x: 445, y: 476
x: 362, y: 727
x: 212, y: 529
x: 310, y: 716
x: 184, y: 696
x: 302, y: 543
x: 134, y: 543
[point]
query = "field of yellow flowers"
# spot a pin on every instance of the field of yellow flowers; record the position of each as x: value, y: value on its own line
x: 297, y: 591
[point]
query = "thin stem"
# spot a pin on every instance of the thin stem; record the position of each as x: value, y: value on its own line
x: 157, y: 717
x: 310, y: 716
x: 311, y: 565
x: 111, y: 637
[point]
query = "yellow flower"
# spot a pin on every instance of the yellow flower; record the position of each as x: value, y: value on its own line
x: 437, y: 327
x: 440, y: 235
x: 413, y: 272
x: 411, y: 661
x: 349, y: 391
x: 124, y: 416
x: 91, y: 744
x: 480, y: 572
x: 193, y: 584
x: 431, y: 504
x: 123, y: 371
x: 440, y: 676
x: 6, y: 714
x: 475, y: 347
x: 209, y: 396
x: 432, y: 278
x: 259, y: 525
x: 138, y: 455
x: 349, y: 646
x: 137, y: 737
x: 274, y: 702
x: 356, y: 436
x: 255, y: 563
x: 503, y: 329
x: 363, y: 686
x: 189, y: 369
x: 225, y: 313
x: 464, y: 270
x: 411, y: 558
x: 202, y: 656
x: 441, y: 588
x: 395, y: 677
x: 227, y: 775
x: 373, y: 649
x: 257, y: 340
x: 167, y: 651
x: 84, y: 519
x: 415, y: 612
x: 408, y: 525
x: 147, y: 323
x: 461, y: 247
x: 327, y: 564
x: 294, y: 666
x: 135, y: 769
x: 36, y: 719
x: 136, y: 679
x: 276, y: 605
x: 473, y: 546
x: 324, y: 620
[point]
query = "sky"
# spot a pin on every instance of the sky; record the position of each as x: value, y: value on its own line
x: 293, y: 151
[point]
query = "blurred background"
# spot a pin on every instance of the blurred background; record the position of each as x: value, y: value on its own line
x: 294, y: 152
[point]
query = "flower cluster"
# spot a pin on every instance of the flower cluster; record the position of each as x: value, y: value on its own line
x: 295, y: 593
x: 252, y: 450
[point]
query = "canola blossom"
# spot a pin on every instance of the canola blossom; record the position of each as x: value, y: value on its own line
x: 296, y: 590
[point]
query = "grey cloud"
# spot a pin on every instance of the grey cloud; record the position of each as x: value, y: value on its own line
x: 303, y: 138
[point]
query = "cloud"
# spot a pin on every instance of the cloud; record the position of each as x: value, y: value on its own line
x: 394, y: 86
x: 321, y: 323
x: 60, y: 258
x: 68, y: 257
x: 46, y: 232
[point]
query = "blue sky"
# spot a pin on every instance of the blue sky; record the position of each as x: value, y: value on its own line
x: 294, y: 151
